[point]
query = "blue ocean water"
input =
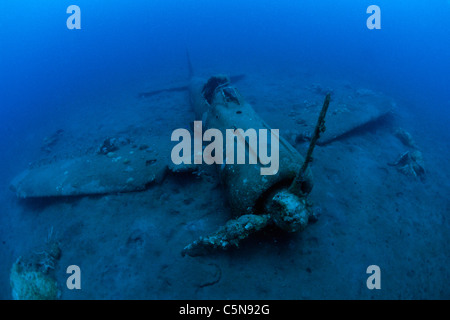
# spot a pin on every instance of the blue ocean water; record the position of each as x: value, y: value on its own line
x: 50, y: 76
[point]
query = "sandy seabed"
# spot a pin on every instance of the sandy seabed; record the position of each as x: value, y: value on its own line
x: 128, y: 245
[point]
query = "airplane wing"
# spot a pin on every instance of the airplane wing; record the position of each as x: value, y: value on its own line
x: 130, y: 168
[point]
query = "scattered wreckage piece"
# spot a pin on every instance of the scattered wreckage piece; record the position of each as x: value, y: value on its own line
x: 410, y: 163
x: 406, y: 138
x: 32, y: 276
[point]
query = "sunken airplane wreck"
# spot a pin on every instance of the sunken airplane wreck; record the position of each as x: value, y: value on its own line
x: 256, y: 200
